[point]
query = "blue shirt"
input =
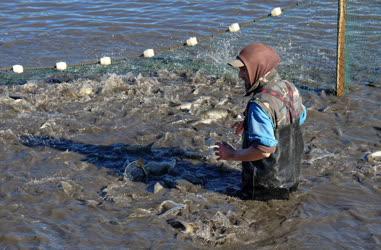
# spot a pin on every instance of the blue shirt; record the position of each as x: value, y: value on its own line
x: 260, y: 129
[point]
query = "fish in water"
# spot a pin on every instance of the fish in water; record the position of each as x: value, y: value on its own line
x: 373, y: 157
x: 212, y: 116
x: 169, y: 207
x: 134, y: 170
x: 158, y: 168
x: 139, y: 170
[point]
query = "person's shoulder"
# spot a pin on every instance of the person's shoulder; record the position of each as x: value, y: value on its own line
x: 253, y: 104
x: 256, y: 107
x: 259, y: 102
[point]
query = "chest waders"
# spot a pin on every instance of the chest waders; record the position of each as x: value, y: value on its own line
x: 276, y: 176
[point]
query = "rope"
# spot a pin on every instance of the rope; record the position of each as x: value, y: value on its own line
x: 170, y: 48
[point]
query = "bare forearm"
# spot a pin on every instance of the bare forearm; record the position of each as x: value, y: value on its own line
x: 249, y: 154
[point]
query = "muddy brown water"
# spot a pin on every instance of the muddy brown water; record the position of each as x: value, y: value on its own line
x: 66, y: 138
x: 63, y: 148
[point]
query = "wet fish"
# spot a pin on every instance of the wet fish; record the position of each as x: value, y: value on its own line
x: 215, y: 114
x: 185, y: 227
x: 158, y: 168
x: 134, y: 149
x: 373, y: 157
x: 211, y: 116
x: 185, y: 106
x: 169, y: 207
x: 134, y: 170
x: 139, y: 170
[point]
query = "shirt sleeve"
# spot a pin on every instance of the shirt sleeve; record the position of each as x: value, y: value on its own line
x: 260, y: 127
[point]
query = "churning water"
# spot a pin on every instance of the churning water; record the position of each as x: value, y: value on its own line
x: 67, y: 138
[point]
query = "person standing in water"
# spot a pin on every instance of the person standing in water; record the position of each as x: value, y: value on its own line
x: 272, y: 138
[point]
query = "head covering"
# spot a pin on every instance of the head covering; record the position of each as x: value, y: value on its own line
x: 258, y: 59
x: 237, y: 63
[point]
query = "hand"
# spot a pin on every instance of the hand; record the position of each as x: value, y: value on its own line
x: 224, y: 151
x: 239, y: 128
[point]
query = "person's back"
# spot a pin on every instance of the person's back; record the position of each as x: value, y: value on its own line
x: 277, y: 175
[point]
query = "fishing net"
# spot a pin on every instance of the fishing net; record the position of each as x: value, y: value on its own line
x: 363, y: 36
x: 305, y: 35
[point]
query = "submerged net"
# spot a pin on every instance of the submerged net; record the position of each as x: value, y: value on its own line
x: 363, y: 36
x: 305, y: 36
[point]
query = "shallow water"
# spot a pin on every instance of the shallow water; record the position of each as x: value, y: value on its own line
x: 64, y: 150
x: 40, y: 32
x: 67, y: 137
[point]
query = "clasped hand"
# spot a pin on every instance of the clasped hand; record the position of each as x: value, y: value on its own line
x: 224, y: 151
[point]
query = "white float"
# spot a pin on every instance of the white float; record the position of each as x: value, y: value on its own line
x: 276, y: 11
x: 149, y: 53
x: 18, y: 69
x: 105, y: 60
x: 61, y: 66
x: 192, y: 41
x: 234, y: 27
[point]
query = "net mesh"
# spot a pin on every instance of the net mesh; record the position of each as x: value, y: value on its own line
x: 363, y: 36
x: 305, y: 36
